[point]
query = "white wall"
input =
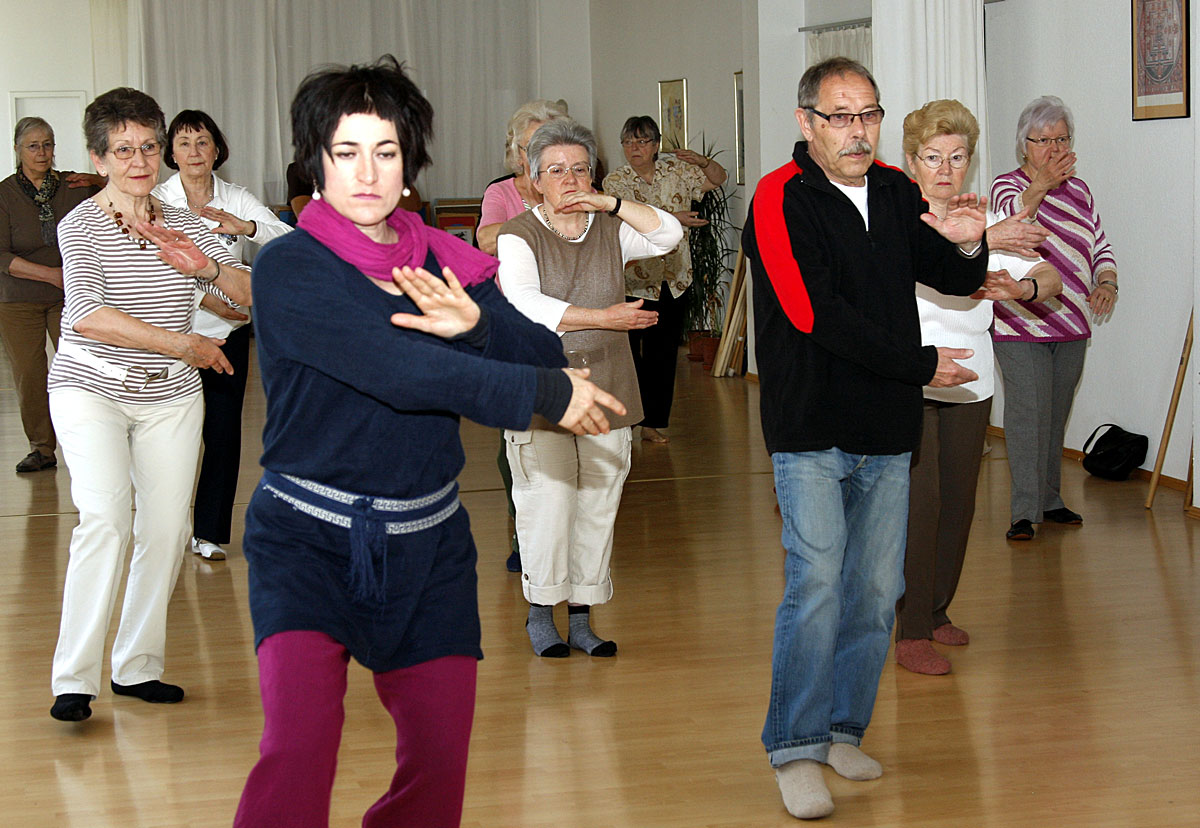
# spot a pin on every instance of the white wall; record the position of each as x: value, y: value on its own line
x: 637, y: 43
x: 1143, y: 177
x: 44, y: 57
x: 565, y: 55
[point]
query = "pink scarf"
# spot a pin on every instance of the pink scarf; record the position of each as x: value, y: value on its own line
x: 415, y: 241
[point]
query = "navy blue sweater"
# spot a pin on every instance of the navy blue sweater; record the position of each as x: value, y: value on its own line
x: 359, y: 404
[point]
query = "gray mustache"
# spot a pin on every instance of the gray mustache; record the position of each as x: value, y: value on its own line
x: 858, y: 146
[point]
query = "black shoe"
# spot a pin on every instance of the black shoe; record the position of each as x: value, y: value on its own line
x: 156, y: 692
x: 1021, y: 530
x: 1063, y: 515
x: 513, y: 564
x: 72, y: 707
x: 36, y: 461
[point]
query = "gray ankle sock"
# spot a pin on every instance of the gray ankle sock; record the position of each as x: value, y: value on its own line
x: 581, y: 636
x: 543, y: 635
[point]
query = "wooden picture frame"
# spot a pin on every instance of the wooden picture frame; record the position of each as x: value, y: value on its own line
x: 672, y: 114
x: 739, y: 128
x: 458, y: 216
x: 1161, y: 76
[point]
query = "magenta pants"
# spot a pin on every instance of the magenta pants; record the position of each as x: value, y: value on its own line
x: 302, y: 678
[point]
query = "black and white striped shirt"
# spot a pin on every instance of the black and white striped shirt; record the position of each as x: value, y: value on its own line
x: 102, y: 267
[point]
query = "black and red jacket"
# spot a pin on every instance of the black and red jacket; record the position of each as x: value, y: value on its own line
x: 838, y: 340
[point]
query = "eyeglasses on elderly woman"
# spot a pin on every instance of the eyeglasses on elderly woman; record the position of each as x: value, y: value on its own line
x: 1060, y: 140
x: 557, y: 171
x: 148, y: 149
x: 933, y: 160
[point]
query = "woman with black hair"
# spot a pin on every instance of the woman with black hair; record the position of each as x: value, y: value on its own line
x: 196, y: 148
x: 356, y: 541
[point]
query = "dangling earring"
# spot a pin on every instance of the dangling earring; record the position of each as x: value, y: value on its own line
x: 406, y: 192
x: 316, y: 195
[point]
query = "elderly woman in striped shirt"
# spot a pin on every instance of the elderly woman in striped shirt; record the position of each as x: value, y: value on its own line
x: 1041, y: 347
x: 125, y: 400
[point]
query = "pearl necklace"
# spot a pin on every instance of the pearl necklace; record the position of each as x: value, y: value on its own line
x: 587, y: 223
x: 142, y: 243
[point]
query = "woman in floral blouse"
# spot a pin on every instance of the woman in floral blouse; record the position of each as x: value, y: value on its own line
x: 670, y: 183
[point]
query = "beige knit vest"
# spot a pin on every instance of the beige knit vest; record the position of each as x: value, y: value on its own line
x: 587, y: 274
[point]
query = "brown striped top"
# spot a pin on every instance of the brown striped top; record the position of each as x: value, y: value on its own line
x: 104, y: 268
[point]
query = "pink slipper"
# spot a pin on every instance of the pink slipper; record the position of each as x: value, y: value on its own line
x: 951, y: 635
x: 918, y: 655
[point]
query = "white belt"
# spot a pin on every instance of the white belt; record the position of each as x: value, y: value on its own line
x: 134, y: 378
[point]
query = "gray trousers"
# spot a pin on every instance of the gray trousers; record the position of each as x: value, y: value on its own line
x: 1039, y: 388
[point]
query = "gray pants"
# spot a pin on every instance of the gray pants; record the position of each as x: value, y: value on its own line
x: 1039, y: 387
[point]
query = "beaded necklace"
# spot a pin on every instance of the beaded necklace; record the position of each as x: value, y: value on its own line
x: 142, y: 243
x: 587, y: 223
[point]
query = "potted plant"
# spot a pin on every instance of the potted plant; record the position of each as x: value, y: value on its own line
x: 712, y: 265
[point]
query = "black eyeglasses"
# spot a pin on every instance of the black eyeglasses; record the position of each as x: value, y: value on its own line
x: 640, y: 142
x: 841, y: 120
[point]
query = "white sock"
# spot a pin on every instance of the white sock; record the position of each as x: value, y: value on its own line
x: 850, y: 762
x: 803, y: 789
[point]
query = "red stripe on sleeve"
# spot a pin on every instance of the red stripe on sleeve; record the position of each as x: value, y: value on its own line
x: 775, y: 247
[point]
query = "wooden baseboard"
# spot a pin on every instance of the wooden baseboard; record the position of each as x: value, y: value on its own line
x: 1141, y: 474
x: 751, y: 377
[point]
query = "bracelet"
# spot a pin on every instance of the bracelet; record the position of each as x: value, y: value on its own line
x: 214, y: 278
x: 1035, y: 288
x: 616, y: 208
x: 1115, y: 288
x: 707, y: 161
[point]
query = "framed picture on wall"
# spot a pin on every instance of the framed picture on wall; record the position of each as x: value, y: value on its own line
x: 672, y: 114
x: 1160, y: 59
x: 739, y: 128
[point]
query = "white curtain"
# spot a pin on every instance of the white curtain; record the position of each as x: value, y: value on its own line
x: 854, y: 43
x: 241, y: 62
x: 926, y: 50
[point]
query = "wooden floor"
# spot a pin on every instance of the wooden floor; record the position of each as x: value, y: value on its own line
x: 1076, y: 704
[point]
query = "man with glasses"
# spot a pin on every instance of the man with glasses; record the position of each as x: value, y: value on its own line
x: 836, y: 243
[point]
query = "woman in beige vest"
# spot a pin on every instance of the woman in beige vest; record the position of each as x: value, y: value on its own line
x: 562, y: 265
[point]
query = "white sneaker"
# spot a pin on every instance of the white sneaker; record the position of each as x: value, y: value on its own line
x: 208, y: 551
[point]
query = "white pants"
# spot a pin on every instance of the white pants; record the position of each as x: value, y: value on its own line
x: 108, y: 446
x: 567, y: 490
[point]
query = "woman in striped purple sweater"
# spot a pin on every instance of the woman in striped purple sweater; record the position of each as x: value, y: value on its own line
x: 1041, y: 347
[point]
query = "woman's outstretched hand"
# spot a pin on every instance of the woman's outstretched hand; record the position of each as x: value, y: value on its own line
x: 584, y: 414
x: 446, y: 309
x: 175, y: 248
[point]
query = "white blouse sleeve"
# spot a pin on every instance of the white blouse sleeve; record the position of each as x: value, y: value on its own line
x: 522, y: 285
x: 658, y: 242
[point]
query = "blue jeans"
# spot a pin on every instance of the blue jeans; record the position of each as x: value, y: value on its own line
x: 845, y: 519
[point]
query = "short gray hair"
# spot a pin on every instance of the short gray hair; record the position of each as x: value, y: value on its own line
x: 28, y: 124
x: 536, y: 110
x: 808, y: 95
x: 562, y: 132
x: 1042, y: 112
x: 116, y: 108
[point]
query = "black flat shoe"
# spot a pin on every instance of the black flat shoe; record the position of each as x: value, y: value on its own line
x: 72, y: 707
x: 35, y: 461
x: 1021, y: 530
x: 1063, y: 515
x: 155, y: 692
